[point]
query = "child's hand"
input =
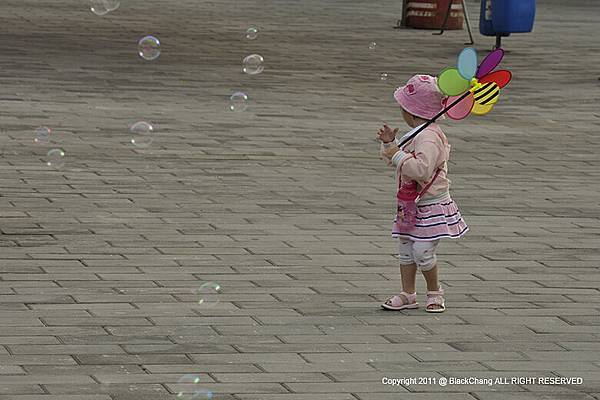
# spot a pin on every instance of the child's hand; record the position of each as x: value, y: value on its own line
x: 387, y: 134
x: 387, y: 151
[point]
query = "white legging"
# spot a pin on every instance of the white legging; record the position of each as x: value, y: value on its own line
x: 417, y: 252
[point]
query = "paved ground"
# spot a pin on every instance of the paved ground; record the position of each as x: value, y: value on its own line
x: 286, y: 206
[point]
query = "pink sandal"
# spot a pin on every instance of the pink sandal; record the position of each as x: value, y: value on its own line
x: 436, y: 298
x: 401, y: 302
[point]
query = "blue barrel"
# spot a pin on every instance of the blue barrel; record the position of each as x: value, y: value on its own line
x: 513, y: 16
x: 485, y: 19
x: 503, y: 17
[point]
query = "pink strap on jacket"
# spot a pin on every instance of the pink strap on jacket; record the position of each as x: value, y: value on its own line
x: 426, y: 187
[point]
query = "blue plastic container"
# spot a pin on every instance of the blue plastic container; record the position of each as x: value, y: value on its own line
x: 485, y: 19
x: 503, y: 17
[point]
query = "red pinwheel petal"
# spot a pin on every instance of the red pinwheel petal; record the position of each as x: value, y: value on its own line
x: 500, y: 77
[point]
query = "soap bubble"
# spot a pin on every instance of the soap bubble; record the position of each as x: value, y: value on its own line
x: 113, y: 4
x: 208, y: 294
x: 238, y: 102
x: 99, y: 8
x: 55, y: 158
x: 253, y: 64
x: 192, y: 389
x: 143, y: 134
x: 42, y: 135
x: 383, y: 76
x: 102, y: 7
x: 251, y: 33
x: 149, y: 48
x: 372, y: 46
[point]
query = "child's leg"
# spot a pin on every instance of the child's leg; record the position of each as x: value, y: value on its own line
x: 435, y: 294
x: 431, y: 277
x: 425, y: 258
x: 408, y: 268
x: 408, y: 273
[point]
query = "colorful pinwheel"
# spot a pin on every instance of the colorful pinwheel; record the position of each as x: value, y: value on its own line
x: 473, y: 89
x: 470, y: 89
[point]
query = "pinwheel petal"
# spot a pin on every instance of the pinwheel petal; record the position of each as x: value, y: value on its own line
x: 462, y: 108
x: 467, y: 63
x: 501, y: 77
x: 490, y: 62
x: 451, y: 83
x: 479, y: 109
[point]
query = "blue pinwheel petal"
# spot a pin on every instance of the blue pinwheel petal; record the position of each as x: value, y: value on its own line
x: 467, y: 63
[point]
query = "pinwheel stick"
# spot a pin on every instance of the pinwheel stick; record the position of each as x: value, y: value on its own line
x: 432, y: 120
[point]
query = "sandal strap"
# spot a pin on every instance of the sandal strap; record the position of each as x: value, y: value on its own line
x: 439, y: 292
x: 435, y: 300
x: 402, y: 299
x: 410, y: 297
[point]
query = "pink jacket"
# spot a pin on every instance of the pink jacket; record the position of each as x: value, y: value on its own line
x: 420, y: 158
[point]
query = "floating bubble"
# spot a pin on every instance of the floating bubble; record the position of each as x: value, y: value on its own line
x: 383, y: 76
x: 149, y: 48
x: 251, y: 33
x: 372, y: 46
x: 55, y: 158
x: 42, y: 135
x: 253, y: 64
x: 208, y: 294
x: 102, y: 7
x: 113, y: 5
x: 99, y: 8
x: 238, y: 102
x: 143, y: 134
x: 191, y: 389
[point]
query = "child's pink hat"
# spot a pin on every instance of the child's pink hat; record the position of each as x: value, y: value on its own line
x: 420, y: 96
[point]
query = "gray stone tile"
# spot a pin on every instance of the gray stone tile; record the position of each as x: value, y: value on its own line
x: 183, y: 369
x: 119, y: 390
x: 271, y: 377
x: 530, y: 396
x: 546, y: 365
x: 57, y: 397
x: 254, y: 358
x: 333, y: 338
x: 17, y: 389
x: 70, y: 370
x: 39, y: 379
x: 328, y: 366
x: 117, y: 359
x: 412, y: 396
x: 43, y: 359
x: 468, y: 356
x: 65, y: 349
x: 296, y: 396
x: 285, y: 205
x: 11, y: 370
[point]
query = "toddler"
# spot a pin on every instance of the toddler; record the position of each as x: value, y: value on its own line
x: 421, y: 164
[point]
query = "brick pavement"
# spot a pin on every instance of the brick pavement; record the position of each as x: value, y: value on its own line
x: 285, y: 206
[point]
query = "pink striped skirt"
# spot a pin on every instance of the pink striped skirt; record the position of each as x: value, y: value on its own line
x: 435, y: 221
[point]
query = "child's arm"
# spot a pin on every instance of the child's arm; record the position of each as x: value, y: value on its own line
x: 391, y: 152
x: 421, y: 164
x: 388, y: 148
